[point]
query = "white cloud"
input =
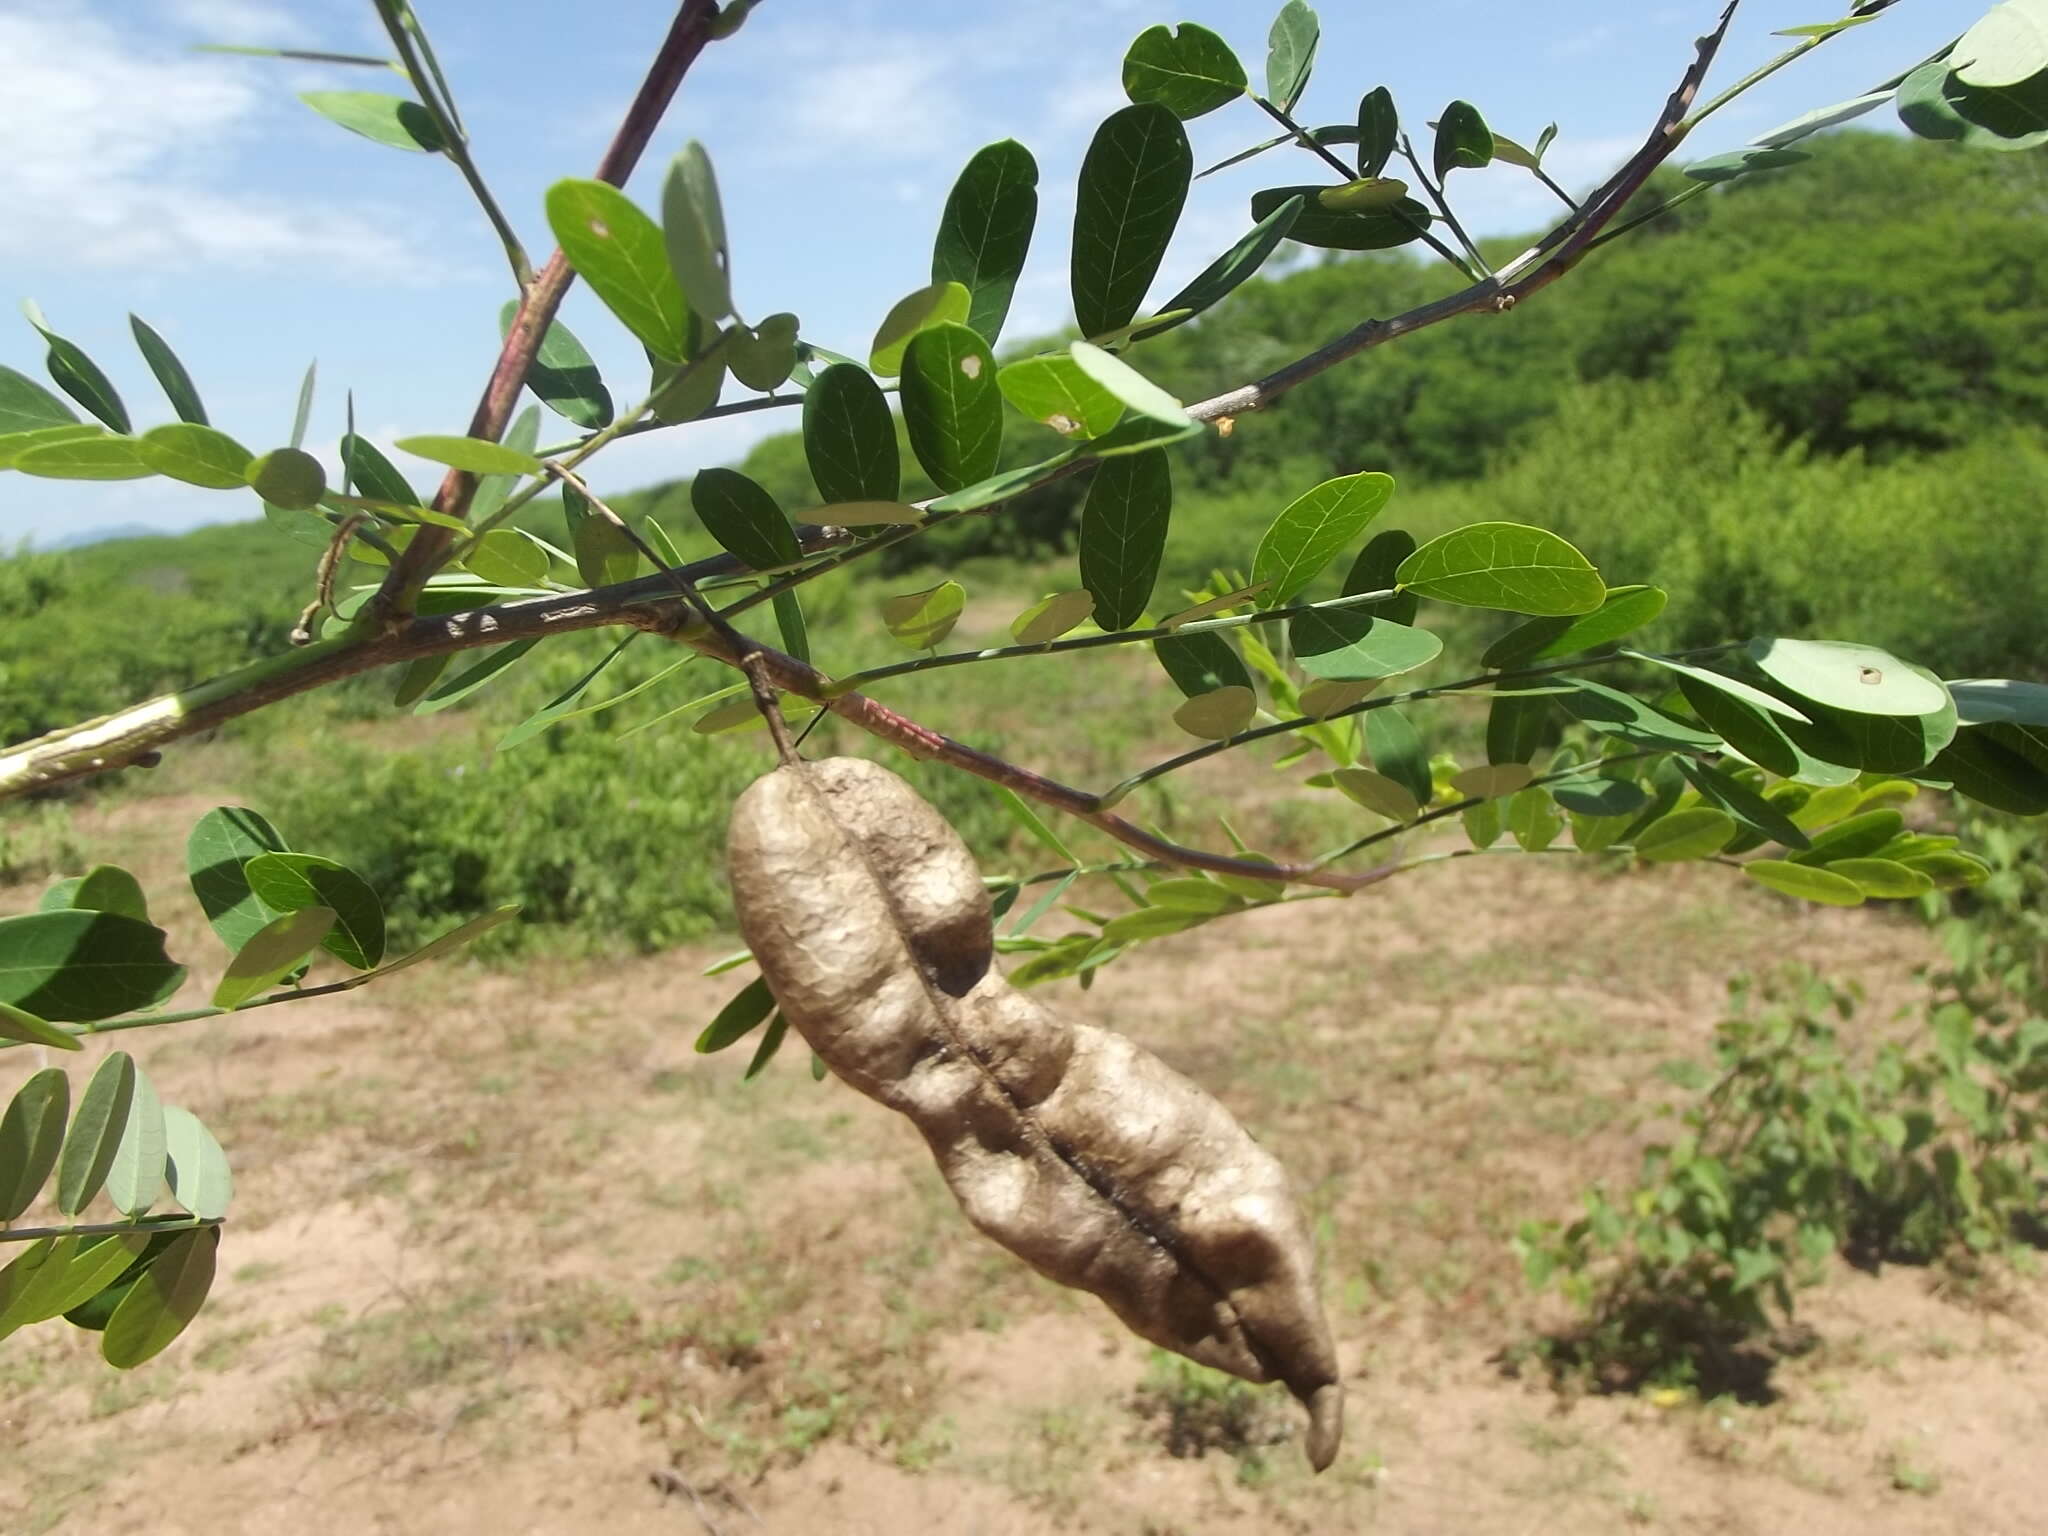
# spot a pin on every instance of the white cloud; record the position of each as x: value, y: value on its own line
x: 115, y: 150
x: 895, y: 96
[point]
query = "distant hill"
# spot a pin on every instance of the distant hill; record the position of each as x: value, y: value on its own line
x: 92, y: 536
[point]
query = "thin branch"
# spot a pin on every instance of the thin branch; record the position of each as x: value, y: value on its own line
x: 1443, y: 207
x: 686, y: 38
x: 1563, y: 196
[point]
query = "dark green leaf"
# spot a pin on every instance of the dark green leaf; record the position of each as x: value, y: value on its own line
x: 952, y: 407
x: 693, y: 226
x: 1375, y: 571
x: 1333, y: 133
x: 222, y: 842
x: 1188, y: 69
x: 741, y: 1016
x: 1722, y: 790
x: 1123, y: 534
x: 1505, y: 565
x: 136, y: 1175
x: 1629, y: 719
x: 947, y: 303
x: 1396, y: 750
x: 77, y: 965
x: 1201, y: 663
x: 373, y: 475
x: 1988, y: 700
x: 849, y: 438
x: 25, y: 406
x: 1216, y: 281
x: 109, y: 888
x: 471, y: 678
x: 683, y: 392
x: 79, y: 376
x: 1353, y: 645
x: 604, y: 555
x: 95, y: 1134
x: 771, y: 1042
x: 1056, y: 392
x: 1379, y: 128
x: 1720, y: 682
x: 1291, y: 53
x: 166, y: 1298
x: 1749, y: 731
x: 985, y: 232
x: 762, y: 356
x: 619, y: 252
x: 1463, y: 141
x: 289, y: 478
x: 390, y: 120
x: 170, y: 373
x: 1992, y: 765
x: 31, y: 1132
x: 789, y: 623
x: 93, y: 1313
x: 1329, y: 229
x: 1623, y: 611
x: 562, y: 374
x: 83, y: 458
x: 1599, y: 798
x: 197, y: 455
x: 1307, y: 535
x: 744, y: 519
x: 1134, y: 180
x: 291, y: 882
x: 1516, y: 725
x: 1878, y: 743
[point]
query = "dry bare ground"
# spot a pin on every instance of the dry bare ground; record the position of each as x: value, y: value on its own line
x: 509, y: 1257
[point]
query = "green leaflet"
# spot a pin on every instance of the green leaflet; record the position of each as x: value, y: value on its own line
x: 1307, y: 535
x: 693, y: 229
x: 619, y: 252
x: 1188, y: 70
x: 170, y: 373
x: 394, y: 121
x: 744, y: 519
x: 75, y: 965
x: 850, y: 438
x: 952, y: 406
x: 1291, y: 53
x: 562, y: 376
x: 1505, y: 565
x: 1134, y: 181
x: 1123, y: 534
x: 985, y: 232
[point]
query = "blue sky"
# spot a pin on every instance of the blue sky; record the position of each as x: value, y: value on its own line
x: 196, y: 191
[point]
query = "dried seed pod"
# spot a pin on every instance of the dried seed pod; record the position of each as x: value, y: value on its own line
x: 1087, y: 1157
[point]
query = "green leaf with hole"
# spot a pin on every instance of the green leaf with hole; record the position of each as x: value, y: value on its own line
x: 943, y: 303
x: 74, y: 966
x: 289, y: 478
x: 31, y: 1134
x: 619, y: 252
x: 170, y: 373
x: 197, y: 455
x: 1201, y: 663
x: 197, y: 1168
x: 1134, y: 181
x: 1505, y: 565
x: 25, y: 406
x: 1291, y: 53
x: 1623, y: 611
x: 1858, y: 678
x: 1123, y: 534
x: 1463, y: 141
x: 693, y: 226
x: 82, y: 458
x: 136, y: 1175
x: 850, y: 438
x: 952, y: 406
x: 1697, y: 833
x: 1056, y: 392
x: 273, y: 952
x: 985, y: 232
x: 394, y: 121
x: 1307, y: 535
x: 222, y: 842
x: 1217, y: 714
x: 95, y: 1134
x: 1805, y: 882
x: 1379, y: 129
x: 922, y: 619
x: 745, y: 1012
x: 1187, y: 69
x: 1352, y: 645
x: 563, y: 375
x: 292, y: 882
x: 744, y: 519
x: 163, y: 1301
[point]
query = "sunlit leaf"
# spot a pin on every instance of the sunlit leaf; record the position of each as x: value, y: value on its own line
x: 985, y: 232
x: 1315, y: 526
x: 1805, y: 882
x: 198, y: 1169
x: 922, y: 619
x: 394, y: 121
x: 1504, y: 565
x: 222, y: 842
x: 1134, y: 181
x: 1188, y: 69
x: 1218, y: 714
x: 82, y: 458
x: 25, y: 406
x: 163, y: 1302
x: 1291, y: 53
x: 455, y: 938
x: 197, y: 455
x: 942, y: 303
x: 2006, y: 45
x: 473, y: 454
x: 272, y: 953
x: 31, y: 1134
x: 290, y: 478
x: 1623, y: 611
x: 1057, y: 392
x: 292, y: 882
x: 952, y: 407
x: 1050, y: 617
x: 693, y: 228
x: 1354, y: 645
x: 136, y: 1175
x: 1698, y: 833
x: 1127, y: 384
x: 619, y: 252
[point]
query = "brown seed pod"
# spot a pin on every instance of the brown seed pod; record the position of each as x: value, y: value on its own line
x: 1085, y: 1156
